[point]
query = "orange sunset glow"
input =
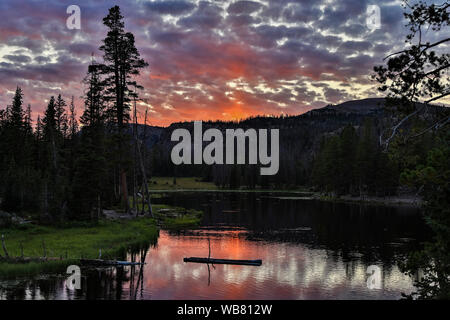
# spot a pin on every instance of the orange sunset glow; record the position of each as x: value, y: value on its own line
x: 208, y: 60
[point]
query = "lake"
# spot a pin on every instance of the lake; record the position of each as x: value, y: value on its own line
x: 309, y: 249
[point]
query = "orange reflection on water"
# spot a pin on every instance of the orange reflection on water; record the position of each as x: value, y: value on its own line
x: 289, y: 271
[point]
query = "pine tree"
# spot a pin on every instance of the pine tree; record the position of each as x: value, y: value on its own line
x: 39, y: 127
x: 88, y: 187
x: 18, y: 182
x: 13, y: 157
x: 28, y: 120
x: 346, y: 161
x: 94, y: 114
x: 122, y: 62
x: 16, y: 113
x: 61, y: 116
x: 326, y: 171
x: 73, y: 123
x: 49, y: 122
x: 54, y: 191
x: 365, y: 160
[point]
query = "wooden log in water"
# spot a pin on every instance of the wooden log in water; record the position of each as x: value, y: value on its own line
x: 100, y: 262
x: 224, y: 261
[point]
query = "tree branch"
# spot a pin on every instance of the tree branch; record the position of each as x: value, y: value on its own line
x: 424, y: 46
x: 438, y: 97
x: 435, y: 126
x: 398, y: 125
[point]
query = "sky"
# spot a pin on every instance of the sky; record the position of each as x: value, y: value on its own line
x: 208, y: 60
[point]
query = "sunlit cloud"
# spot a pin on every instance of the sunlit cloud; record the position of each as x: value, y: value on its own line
x: 207, y: 59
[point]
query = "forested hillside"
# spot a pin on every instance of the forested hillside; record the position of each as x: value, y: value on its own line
x: 334, y: 149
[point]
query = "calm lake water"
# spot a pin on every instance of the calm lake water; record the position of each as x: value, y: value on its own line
x: 310, y: 250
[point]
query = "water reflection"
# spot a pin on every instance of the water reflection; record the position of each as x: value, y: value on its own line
x: 310, y: 250
x: 289, y: 271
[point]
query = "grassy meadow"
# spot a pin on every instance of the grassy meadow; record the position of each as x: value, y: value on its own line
x: 66, y: 245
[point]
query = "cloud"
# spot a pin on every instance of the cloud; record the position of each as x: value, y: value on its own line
x: 169, y: 7
x: 18, y: 58
x: 207, y: 59
x: 244, y: 7
x: 207, y: 15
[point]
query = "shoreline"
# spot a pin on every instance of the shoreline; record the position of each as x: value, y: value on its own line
x: 406, y: 201
x: 392, y: 201
x: 35, y: 248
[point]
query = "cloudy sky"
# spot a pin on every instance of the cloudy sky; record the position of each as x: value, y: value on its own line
x: 212, y: 59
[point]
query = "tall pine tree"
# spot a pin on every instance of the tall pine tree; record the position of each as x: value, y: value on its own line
x: 122, y: 62
x: 89, y: 187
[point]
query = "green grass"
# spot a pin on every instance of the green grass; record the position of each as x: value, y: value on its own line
x: 73, y: 242
x: 78, y: 241
x: 13, y: 270
x: 184, y: 218
x: 186, y: 183
x: 70, y: 244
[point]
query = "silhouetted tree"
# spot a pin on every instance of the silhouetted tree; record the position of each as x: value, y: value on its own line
x: 122, y: 62
x: 88, y: 185
x: 73, y: 122
x: 61, y: 116
x: 420, y: 72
